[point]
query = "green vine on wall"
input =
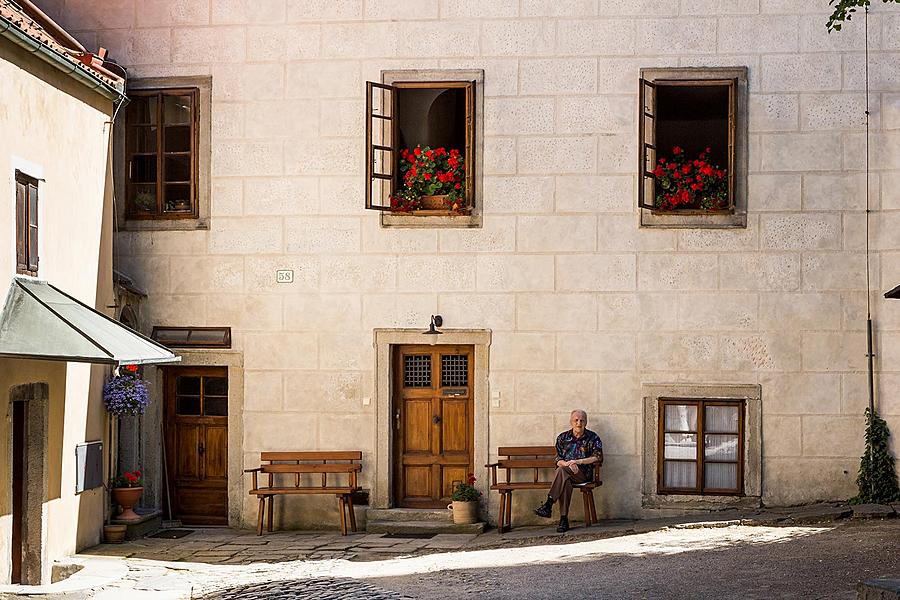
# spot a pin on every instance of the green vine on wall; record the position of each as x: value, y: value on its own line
x: 844, y: 9
x: 877, y: 479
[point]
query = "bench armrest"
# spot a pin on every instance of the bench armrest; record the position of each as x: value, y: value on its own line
x: 257, y: 469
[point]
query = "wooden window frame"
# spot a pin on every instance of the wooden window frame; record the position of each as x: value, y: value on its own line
x: 226, y: 331
x: 27, y: 233
x: 701, y: 460
x: 374, y: 119
x: 130, y: 211
x: 737, y: 79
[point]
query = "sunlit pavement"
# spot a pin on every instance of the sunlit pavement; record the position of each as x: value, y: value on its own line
x: 721, y: 560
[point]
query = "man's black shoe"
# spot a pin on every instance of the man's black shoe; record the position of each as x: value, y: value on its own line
x: 545, y: 509
x: 563, y: 525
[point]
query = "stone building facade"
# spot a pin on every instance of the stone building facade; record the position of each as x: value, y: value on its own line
x: 570, y: 295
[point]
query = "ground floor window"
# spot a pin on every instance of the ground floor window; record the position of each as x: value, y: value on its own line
x: 700, y: 446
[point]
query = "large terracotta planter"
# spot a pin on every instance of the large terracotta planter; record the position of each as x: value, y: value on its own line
x: 127, y: 498
x: 464, y: 512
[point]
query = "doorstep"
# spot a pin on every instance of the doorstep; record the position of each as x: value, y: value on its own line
x: 149, y: 522
x: 416, y: 520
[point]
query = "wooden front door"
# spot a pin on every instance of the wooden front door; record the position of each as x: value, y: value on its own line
x: 197, y: 443
x: 433, y: 423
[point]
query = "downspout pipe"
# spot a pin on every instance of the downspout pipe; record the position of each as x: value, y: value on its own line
x: 10, y: 31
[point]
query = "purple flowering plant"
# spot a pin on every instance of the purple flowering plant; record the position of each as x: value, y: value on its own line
x: 126, y: 394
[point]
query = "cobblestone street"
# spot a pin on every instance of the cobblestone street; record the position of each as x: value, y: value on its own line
x: 813, y: 553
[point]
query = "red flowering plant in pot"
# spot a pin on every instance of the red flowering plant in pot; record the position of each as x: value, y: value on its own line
x: 126, y: 491
x: 433, y: 178
x: 685, y: 183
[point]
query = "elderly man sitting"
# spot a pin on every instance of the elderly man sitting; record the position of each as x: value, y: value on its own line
x: 577, y: 451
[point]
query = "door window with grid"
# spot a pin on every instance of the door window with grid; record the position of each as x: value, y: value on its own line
x: 700, y: 446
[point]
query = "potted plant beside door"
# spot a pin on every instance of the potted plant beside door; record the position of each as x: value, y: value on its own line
x: 465, y: 501
x: 126, y: 491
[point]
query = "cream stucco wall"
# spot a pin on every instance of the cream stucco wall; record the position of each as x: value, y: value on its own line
x: 583, y: 305
x: 55, y: 129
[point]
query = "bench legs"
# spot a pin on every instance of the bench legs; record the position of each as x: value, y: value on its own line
x: 260, y: 515
x: 590, y: 511
x: 504, y: 523
x: 345, y: 503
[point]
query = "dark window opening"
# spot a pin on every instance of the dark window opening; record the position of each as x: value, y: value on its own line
x: 26, y: 224
x: 687, y: 131
x: 408, y: 122
x: 161, y: 153
x: 700, y: 447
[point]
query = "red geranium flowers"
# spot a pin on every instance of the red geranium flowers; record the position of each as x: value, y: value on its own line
x: 430, y: 172
x: 685, y: 183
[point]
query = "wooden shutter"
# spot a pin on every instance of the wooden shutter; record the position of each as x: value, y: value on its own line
x: 380, y: 145
x: 32, y: 237
x: 647, y: 145
x: 21, y: 226
x: 732, y: 133
x: 470, y: 144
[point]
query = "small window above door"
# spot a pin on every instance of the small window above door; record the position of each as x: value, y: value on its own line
x: 192, y: 337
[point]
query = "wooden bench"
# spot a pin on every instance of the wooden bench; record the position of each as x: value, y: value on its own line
x: 539, y: 460
x: 304, y: 466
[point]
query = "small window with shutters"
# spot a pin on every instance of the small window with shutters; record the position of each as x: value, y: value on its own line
x: 700, y: 447
x: 26, y: 224
x: 692, y: 159
x: 421, y: 151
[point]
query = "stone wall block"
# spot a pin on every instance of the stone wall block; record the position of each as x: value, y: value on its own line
x: 504, y: 79
x: 800, y: 311
x: 617, y: 432
x: 322, y: 312
x: 315, y: 235
x: 761, y: 352
x: 834, y: 271
x: 280, y: 351
x: 290, y: 42
x: 520, y: 273
x: 782, y: 436
x: 237, y: 83
x: 547, y: 393
x: 557, y: 76
x: 596, y: 36
x: 557, y: 155
x: 836, y: 111
x: 890, y: 106
x: 834, y: 480
x: 884, y: 148
x: 162, y: 13
x: 557, y: 234
x: 845, y: 191
x: 346, y: 352
x: 721, y: 240
x: 518, y: 194
x: 522, y: 351
x: 801, y: 393
x: 677, y: 272
x: 383, y: 10
x: 617, y: 152
x: 281, y: 431
x: 774, y: 192
x: 235, y: 12
x: 556, y: 312
x: 801, y: 152
x: 204, y: 274
x: 323, y: 79
x: 621, y: 233
x: 196, y: 45
x: 359, y: 273
x: 499, y: 156
x: 518, y: 116
x: 828, y: 351
x: 273, y: 119
x: 800, y: 72
x: 807, y: 231
x: 497, y: 235
x: 436, y: 273
x: 244, y: 235
x: 721, y: 311
x: 765, y: 271
x: 596, y: 114
x: 281, y: 196
x: 260, y: 273
x: 596, y: 351
x: 463, y: 9
x: 595, y: 193
x: 227, y: 198
x: 263, y: 391
x: 378, y: 240
x: 833, y: 436
x: 774, y: 112
x: 247, y: 312
x: 398, y: 310
x: 621, y: 75
x: 596, y: 272
x: 664, y: 351
x: 751, y: 33
x: 258, y: 158
x: 438, y: 39
x: 678, y: 36
x: 496, y: 312
x: 852, y: 36
x: 517, y: 38
x: 322, y: 156
x: 563, y: 8
x: 513, y: 429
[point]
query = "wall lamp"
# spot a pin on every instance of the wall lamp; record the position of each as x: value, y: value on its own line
x: 436, y: 321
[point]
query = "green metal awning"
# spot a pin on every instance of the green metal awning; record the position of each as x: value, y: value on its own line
x: 40, y: 321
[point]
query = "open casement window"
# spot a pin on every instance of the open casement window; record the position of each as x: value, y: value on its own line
x: 700, y: 447
x: 26, y: 224
x: 407, y: 114
x: 687, y: 162
x: 161, y: 140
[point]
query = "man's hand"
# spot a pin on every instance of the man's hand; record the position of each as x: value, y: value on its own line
x: 573, y: 466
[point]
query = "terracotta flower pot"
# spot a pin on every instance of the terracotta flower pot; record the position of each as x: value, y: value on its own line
x: 434, y: 202
x: 464, y: 512
x: 127, y: 498
x: 114, y: 534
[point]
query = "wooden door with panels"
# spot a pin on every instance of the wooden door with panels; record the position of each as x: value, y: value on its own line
x: 196, y: 422
x: 433, y: 421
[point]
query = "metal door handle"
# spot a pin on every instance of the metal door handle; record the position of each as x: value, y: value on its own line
x: 201, y: 449
x: 435, y: 419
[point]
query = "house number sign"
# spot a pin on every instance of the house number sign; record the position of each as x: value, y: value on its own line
x: 284, y: 276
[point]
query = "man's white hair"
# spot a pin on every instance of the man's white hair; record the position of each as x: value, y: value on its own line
x: 578, y: 411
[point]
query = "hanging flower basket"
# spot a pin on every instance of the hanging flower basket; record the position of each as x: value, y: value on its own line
x: 126, y: 393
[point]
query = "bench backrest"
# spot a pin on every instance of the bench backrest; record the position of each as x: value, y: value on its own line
x: 537, y: 458
x: 298, y: 463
